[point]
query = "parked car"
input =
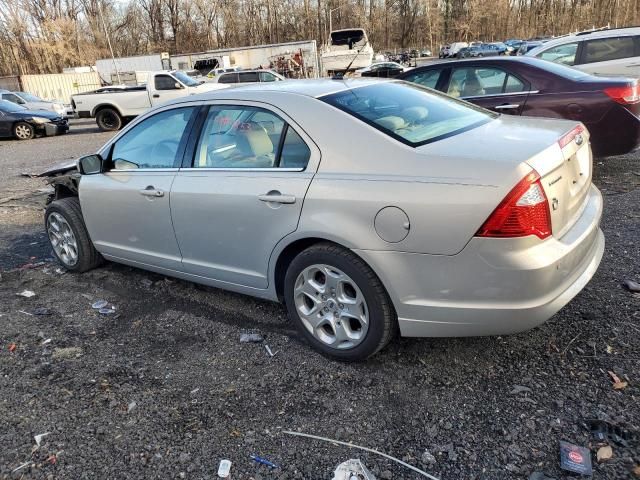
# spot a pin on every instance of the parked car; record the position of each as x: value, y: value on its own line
x: 366, y: 205
x: 527, y: 46
x: 452, y: 49
x: 602, y: 52
x: 502, y: 48
x: 249, y: 76
x: 33, y: 102
x: 609, y: 107
x: 513, y: 45
x: 425, y: 52
x: 217, y: 71
x: 483, y: 50
x: 18, y: 122
x: 381, y: 70
x: 112, y: 108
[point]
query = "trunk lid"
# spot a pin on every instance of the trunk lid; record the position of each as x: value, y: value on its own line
x: 565, y: 170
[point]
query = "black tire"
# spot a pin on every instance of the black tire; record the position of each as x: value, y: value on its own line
x: 88, y: 256
x: 23, y: 131
x: 383, y: 324
x: 109, y: 120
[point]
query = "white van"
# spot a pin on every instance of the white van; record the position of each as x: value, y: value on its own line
x: 600, y: 52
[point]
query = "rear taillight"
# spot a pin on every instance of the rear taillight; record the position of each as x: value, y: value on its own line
x: 523, y: 212
x: 627, y: 95
x: 567, y: 138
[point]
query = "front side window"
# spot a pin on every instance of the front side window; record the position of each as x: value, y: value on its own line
x: 11, y: 97
x: 427, y: 78
x: 165, y: 82
x: 267, y: 77
x: 248, y: 137
x: 408, y: 113
x: 605, y: 49
x: 154, y: 142
x: 563, y: 54
x: 30, y: 98
x: 10, y: 107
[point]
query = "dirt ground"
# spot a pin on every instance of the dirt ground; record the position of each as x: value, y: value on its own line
x: 163, y: 388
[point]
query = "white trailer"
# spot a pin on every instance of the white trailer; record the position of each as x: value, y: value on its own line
x: 123, y: 70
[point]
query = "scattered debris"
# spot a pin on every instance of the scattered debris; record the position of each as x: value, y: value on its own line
x: 61, y: 271
x: 539, y: 476
x: 636, y: 471
x: 131, y: 407
x: 12, y: 347
x: 194, y: 391
x: 26, y: 464
x: 26, y: 313
x: 107, y: 311
x: 617, y: 383
x: 352, y: 469
x: 575, y: 459
x: 604, y: 431
x: 224, y: 469
x: 604, y: 453
x: 271, y: 354
x: 263, y: 461
x: 38, y: 438
x: 428, y: 458
x: 370, y: 450
x: 67, y: 352
x: 146, y: 282
x: 251, y: 338
x: 519, y: 389
x: 26, y: 294
x: 632, y: 286
x: 42, y: 311
x: 99, y: 304
x: 46, y: 342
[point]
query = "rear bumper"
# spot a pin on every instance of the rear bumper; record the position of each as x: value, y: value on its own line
x: 617, y: 133
x: 494, y: 286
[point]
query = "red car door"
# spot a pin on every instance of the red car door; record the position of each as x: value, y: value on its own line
x: 489, y: 87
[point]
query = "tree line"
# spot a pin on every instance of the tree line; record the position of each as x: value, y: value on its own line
x: 43, y: 36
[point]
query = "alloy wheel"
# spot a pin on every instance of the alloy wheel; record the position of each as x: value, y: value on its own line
x: 331, y: 306
x: 23, y: 132
x: 62, y: 239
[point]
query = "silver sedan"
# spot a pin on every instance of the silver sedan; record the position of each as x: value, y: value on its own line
x: 368, y: 207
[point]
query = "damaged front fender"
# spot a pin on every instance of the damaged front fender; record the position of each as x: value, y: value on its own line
x: 64, y: 178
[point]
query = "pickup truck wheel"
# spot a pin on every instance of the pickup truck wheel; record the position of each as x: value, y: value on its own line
x: 108, y: 120
x: 23, y: 131
x: 69, y: 237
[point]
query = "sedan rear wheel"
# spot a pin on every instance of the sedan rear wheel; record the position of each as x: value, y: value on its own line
x: 23, y: 131
x: 338, y: 303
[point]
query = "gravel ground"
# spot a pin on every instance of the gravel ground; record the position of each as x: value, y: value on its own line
x: 163, y: 388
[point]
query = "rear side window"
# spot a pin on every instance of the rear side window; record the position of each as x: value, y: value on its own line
x: 408, y: 113
x: 248, y: 77
x: 426, y: 79
x: 228, y: 78
x: 605, y: 49
x: 477, y: 82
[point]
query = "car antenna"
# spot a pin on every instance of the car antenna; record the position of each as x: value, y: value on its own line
x: 340, y: 75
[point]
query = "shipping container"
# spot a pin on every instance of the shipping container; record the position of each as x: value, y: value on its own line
x: 10, y: 83
x: 59, y: 86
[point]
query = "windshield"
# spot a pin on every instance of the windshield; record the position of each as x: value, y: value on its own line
x: 347, y: 37
x: 29, y: 98
x: 186, y: 79
x: 409, y: 113
x: 10, y: 107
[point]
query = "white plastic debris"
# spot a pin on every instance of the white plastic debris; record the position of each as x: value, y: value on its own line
x: 26, y: 294
x: 99, y: 304
x: 38, y: 438
x: 108, y: 310
x: 47, y: 341
x: 271, y: 354
x: 352, y: 469
x: 224, y: 469
x: 251, y: 338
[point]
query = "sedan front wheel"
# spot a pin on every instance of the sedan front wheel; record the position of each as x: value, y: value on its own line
x: 338, y: 303
x: 23, y: 131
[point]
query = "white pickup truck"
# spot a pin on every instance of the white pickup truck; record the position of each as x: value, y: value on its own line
x: 112, y: 107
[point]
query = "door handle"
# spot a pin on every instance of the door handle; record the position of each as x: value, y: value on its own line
x: 155, y: 95
x: 507, y: 106
x: 277, y: 197
x: 150, y: 191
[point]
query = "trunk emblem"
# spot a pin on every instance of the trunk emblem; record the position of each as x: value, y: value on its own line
x: 579, y: 139
x: 554, y: 204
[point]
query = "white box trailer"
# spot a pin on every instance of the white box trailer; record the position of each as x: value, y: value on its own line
x: 59, y: 86
x: 109, y: 68
x: 304, y: 53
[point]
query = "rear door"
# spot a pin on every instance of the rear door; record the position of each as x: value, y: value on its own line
x: 490, y: 87
x: 126, y: 209
x: 611, y: 56
x: 241, y: 190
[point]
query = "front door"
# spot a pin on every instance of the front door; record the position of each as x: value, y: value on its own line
x: 241, y: 193
x: 126, y: 209
x: 489, y: 87
x: 165, y: 88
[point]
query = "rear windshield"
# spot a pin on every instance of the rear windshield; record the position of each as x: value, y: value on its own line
x: 409, y: 113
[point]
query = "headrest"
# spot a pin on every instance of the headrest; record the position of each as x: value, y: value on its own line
x: 413, y: 114
x: 254, y: 142
x: 391, y: 122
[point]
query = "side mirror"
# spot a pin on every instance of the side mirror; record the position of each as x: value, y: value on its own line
x: 178, y: 86
x: 90, y: 165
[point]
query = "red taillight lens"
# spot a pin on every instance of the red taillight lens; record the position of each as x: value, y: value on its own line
x: 523, y: 212
x: 627, y: 95
x: 568, y: 137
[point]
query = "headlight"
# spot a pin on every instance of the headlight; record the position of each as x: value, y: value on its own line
x: 40, y: 120
x: 58, y: 107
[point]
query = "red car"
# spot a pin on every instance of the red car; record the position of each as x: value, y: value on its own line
x: 608, y: 106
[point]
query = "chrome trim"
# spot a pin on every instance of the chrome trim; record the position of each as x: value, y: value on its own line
x: 502, y: 94
x: 225, y: 169
x: 142, y: 170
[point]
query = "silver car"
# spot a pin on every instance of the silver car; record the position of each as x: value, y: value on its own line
x: 366, y: 206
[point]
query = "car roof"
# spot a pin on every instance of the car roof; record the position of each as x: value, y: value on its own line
x: 587, y: 35
x: 310, y: 88
x: 496, y: 59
